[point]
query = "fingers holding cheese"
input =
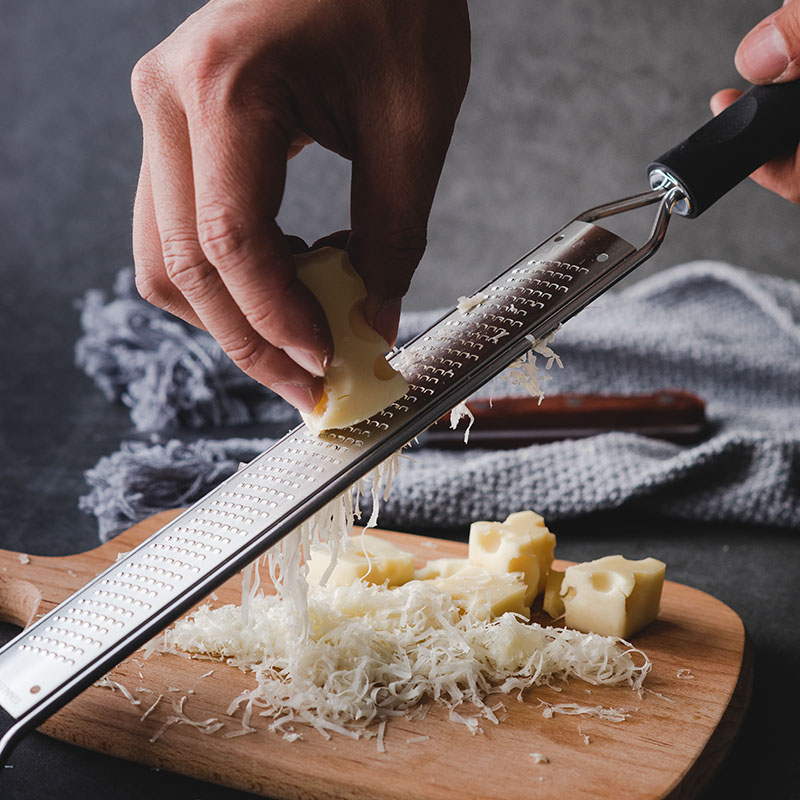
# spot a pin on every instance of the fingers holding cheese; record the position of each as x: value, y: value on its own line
x: 359, y: 381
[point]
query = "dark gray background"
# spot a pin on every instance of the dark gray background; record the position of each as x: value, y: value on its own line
x: 568, y: 102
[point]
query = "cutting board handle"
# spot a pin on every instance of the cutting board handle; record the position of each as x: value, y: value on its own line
x: 32, y: 585
x: 19, y: 598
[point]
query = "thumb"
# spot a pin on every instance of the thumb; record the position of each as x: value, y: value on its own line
x: 722, y: 99
x: 770, y: 53
x: 395, y: 174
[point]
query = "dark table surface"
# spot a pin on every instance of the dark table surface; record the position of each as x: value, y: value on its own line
x: 69, y: 150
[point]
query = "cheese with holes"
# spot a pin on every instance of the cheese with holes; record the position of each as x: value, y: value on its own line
x: 520, y: 544
x: 365, y: 557
x: 483, y: 594
x: 553, y: 603
x: 612, y: 596
x: 441, y: 568
x: 359, y: 381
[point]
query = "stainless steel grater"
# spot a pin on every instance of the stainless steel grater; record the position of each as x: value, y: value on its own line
x: 126, y: 605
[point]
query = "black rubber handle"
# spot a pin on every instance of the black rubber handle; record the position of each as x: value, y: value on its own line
x: 762, y: 124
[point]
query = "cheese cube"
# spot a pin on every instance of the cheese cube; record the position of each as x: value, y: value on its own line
x: 553, y: 602
x: 520, y: 544
x: 613, y: 596
x: 359, y: 381
x: 366, y: 557
x: 441, y: 568
x: 483, y: 594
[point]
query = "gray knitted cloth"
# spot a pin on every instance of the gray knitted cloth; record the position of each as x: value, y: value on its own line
x: 730, y: 336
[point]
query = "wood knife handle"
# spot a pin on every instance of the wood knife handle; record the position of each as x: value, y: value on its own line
x: 671, y: 414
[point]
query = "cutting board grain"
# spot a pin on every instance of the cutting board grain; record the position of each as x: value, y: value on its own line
x: 671, y: 744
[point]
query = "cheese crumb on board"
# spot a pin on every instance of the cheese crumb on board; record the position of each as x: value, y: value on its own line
x: 359, y: 381
x: 613, y: 596
x: 522, y: 543
x: 572, y: 709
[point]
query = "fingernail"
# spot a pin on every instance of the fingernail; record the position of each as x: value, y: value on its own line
x: 307, y: 360
x: 301, y: 397
x: 386, y: 319
x: 762, y: 55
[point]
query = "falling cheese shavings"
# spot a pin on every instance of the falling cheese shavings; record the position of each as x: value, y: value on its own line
x: 374, y: 653
x: 685, y: 674
x: 524, y: 372
x: 467, y: 304
x: 457, y: 414
x: 24, y: 559
x: 331, y: 525
x: 539, y: 758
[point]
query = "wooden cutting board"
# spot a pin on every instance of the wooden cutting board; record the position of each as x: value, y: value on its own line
x: 670, y: 745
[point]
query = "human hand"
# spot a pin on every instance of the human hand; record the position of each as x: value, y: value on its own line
x: 234, y: 92
x: 770, y: 53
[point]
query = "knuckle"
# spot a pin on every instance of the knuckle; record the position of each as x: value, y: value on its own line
x: 788, y: 21
x: 147, y: 81
x: 406, y: 244
x: 200, y: 67
x: 221, y: 234
x: 263, y: 319
x: 244, y: 353
x: 150, y: 288
x: 184, y: 264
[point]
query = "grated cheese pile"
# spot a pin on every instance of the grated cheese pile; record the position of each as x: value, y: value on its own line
x: 373, y: 653
x: 347, y: 659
